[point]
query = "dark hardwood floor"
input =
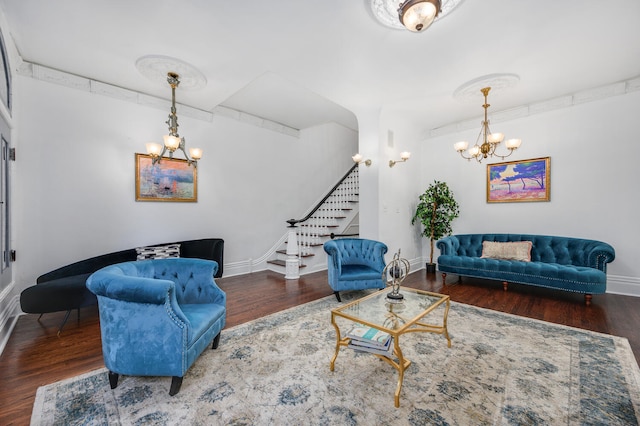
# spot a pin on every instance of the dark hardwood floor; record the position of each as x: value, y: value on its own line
x: 36, y: 356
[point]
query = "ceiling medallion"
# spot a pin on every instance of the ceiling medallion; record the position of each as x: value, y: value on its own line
x: 470, y: 90
x: 386, y: 11
x: 157, y: 67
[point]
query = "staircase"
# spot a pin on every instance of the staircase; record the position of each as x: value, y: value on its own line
x: 335, y: 215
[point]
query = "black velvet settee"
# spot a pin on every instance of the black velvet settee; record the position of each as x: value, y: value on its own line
x: 64, y: 289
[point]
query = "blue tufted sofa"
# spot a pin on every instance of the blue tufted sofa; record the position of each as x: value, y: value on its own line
x: 157, y: 316
x: 563, y: 263
x: 355, y: 264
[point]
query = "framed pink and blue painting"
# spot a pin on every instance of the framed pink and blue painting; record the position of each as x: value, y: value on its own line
x: 168, y: 180
x: 518, y: 181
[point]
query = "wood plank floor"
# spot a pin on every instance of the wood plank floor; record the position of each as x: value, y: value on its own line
x: 36, y: 356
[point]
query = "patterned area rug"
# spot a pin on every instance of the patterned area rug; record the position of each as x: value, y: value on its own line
x: 501, y: 369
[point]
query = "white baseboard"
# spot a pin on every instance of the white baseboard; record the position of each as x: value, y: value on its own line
x: 627, y: 286
x: 9, y: 313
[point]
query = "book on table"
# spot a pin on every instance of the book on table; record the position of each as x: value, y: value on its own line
x: 365, y: 336
x: 359, y: 345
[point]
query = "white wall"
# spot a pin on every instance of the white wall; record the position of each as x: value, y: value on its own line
x: 75, y: 179
x: 595, y: 194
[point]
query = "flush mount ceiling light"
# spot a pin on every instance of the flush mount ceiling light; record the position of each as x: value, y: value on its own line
x: 414, y: 15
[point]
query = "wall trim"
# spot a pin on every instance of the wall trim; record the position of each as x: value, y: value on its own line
x: 8, y: 317
x: 51, y: 75
x: 625, y: 286
x: 570, y: 100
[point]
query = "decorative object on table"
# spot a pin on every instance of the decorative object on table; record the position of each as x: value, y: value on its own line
x: 393, y: 274
x: 436, y: 211
x: 487, y: 142
x: 393, y: 319
x: 518, y: 181
x: 170, y: 180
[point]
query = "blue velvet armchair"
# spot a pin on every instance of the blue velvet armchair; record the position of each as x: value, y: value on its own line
x: 157, y: 316
x: 355, y: 264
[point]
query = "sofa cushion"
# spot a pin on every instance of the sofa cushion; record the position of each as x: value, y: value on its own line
x: 508, y: 251
x: 202, y: 316
x: 359, y: 272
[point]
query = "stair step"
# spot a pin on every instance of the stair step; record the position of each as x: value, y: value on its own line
x: 282, y: 263
x: 304, y: 255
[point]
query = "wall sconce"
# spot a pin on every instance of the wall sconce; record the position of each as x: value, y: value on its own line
x: 404, y: 156
x: 359, y: 159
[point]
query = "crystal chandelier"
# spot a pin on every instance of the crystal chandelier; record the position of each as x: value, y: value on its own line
x: 490, y: 141
x: 173, y: 141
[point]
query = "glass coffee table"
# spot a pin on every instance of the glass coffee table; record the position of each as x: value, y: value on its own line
x: 376, y: 311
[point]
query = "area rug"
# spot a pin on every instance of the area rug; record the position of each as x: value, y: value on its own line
x: 500, y: 370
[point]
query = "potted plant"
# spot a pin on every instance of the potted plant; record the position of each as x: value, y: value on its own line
x: 436, y: 210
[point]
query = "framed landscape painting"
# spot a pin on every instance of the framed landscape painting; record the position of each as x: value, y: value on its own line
x: 168, y: 180
x: 518, y: 181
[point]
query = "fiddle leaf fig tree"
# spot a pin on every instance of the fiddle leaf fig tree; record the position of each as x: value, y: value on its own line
x: 436, y: 210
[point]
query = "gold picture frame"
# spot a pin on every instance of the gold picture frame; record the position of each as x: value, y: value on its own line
x: 171, y: 179
x: 519, y: 181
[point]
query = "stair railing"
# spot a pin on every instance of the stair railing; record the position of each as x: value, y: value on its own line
x: 294, y: 248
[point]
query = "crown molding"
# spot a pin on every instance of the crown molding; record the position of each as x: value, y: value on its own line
x: 51, y: 75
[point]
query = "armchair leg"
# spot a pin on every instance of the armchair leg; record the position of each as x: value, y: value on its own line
x: 337, y: 296
x: 216, y: 341
x: 176, y: 382
x: 113, y: 379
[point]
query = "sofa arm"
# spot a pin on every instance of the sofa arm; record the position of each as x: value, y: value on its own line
x: 331, y: 248
x: 128, y: 288
x: 599, y: 255
x: 448, y: 245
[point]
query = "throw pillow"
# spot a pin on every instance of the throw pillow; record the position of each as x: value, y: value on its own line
x: 158, y: 252
x: 520, y: 250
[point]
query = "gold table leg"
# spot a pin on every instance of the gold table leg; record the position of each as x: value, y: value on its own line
x: 335, y: 355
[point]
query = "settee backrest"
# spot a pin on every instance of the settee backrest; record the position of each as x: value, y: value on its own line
x: 192, y: 279
x: 206, y: 248
x: 545, y: 248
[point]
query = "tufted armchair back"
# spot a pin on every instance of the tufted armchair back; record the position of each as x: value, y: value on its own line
x: 356, y: 251
x: 192, y: 278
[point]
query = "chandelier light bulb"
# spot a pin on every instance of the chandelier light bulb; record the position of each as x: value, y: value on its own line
x: 196, y: 153
x: 171, y: 142
x: 461, y: 146
x: 154, y: 149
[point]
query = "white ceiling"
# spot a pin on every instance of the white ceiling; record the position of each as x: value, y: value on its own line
x: 304, y: 62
